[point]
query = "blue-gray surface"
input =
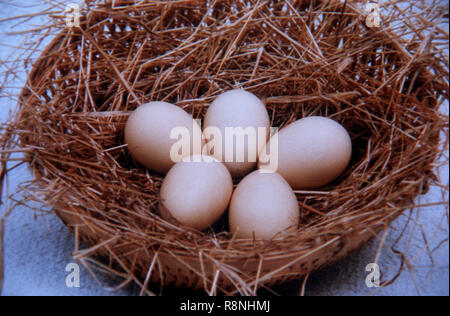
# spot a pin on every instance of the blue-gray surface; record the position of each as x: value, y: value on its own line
x: 38, y: 246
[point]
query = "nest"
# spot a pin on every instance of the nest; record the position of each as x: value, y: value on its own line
x: 383, y: 84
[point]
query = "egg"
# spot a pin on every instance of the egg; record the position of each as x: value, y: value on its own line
x: 236, y: 127
x: 308, y: 153
x: 196, y: 192
x: 263, y: 205
x: 160, y: 134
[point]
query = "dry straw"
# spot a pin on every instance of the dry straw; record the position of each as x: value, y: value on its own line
x: 385, y: 85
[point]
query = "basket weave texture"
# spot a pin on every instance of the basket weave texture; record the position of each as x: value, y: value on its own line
x: 302, y: 58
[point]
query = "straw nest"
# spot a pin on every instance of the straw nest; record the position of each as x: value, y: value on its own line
x: 384, y: 84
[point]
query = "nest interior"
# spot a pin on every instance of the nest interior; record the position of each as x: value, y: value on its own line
x: 301, y: 58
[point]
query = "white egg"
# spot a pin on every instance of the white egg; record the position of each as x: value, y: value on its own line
x: 152, y: 138
x: 311, y: 152
x: 243, y: 124
x: 263, y: 205
x: 196, y: 192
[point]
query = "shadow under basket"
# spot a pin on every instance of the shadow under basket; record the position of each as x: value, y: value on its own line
x: 384, y: 85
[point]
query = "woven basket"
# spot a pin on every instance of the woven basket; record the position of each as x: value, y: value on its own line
x: 301, y: 58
